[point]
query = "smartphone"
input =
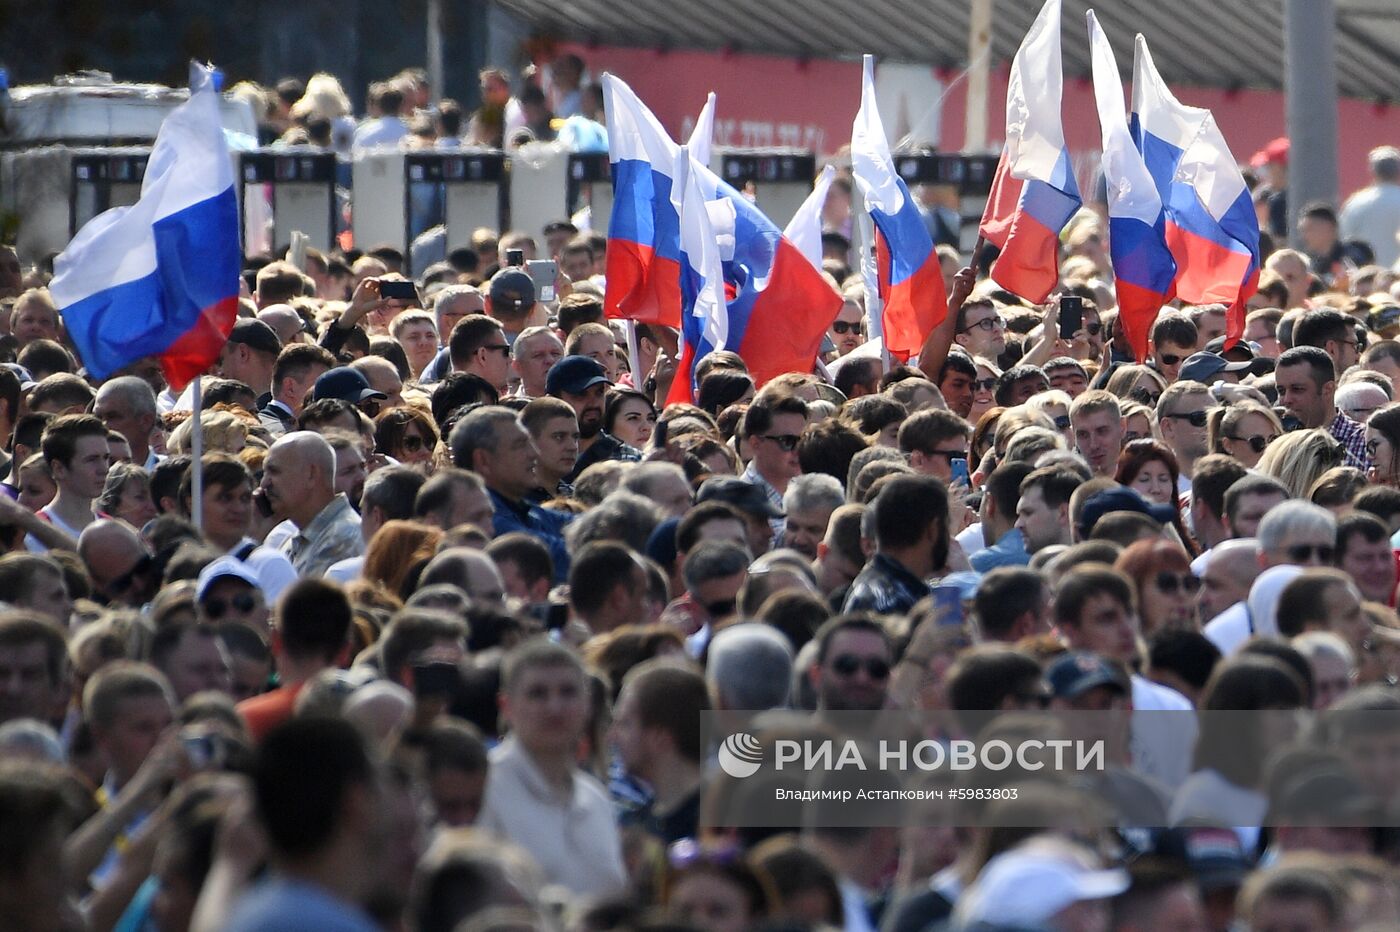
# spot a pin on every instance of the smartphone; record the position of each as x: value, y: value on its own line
x: 261, y: 503
x: 437, y: 678
x: 204, y: 751
x: 658, y: 436
x: 960, y: 473
x: 543, y: 272
x: 1071, y: 315
x: 393, y: 288
x: 949, y: 600
x: 515, y: 257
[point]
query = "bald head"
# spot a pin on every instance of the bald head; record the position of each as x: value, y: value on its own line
x: 1230, y: 570
x: 299, y: 476
x: 469, y: 570
x: 113, y: 553
x: 284, y: 321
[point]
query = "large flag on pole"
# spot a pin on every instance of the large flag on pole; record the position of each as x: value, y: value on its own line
x: 160, y: 278
x: 704, y: 314
x: 804, y: 230
x: 1211, y: 229
x: 1143, y: 268
x: 703, y: 135
x: 911, y: 280
x: 1034, y: 192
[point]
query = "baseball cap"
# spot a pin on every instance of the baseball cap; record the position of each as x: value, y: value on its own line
x: 742, y: 494
x: 1275, y: 151
x: 255, y: 334
x: 1385, y: 318
x: 1215, y: 856
x: 512, y: 290
x: 575, y: 375
x: 1202, y: 367
x: 1123, y: 499
x: 225, y: 566
x: 1027, y: 885
x: 661, y: 545
x: 1075, y: 673
x: 346, y: 384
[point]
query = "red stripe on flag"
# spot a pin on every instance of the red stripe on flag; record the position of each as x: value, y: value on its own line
x: 198, y: 348
x: 642, y: 286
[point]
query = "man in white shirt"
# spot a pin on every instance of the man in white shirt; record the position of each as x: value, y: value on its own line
x: 1372, y: 214
x: 75, y: 448
x: 388, y: 128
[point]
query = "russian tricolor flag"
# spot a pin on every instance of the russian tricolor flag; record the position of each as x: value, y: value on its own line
x: 779, y: 305
x: 1143, y: 268
x: 912, y: 292
x: 704, y: 315
x: 804, y: 230
x: 160, y: 278
x: 1211, y: 227
x: 1034, y: 192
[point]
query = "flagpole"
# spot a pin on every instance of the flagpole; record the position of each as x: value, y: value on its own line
x: 634, y: 354
x: 874, y: 306
x: 197, y: 454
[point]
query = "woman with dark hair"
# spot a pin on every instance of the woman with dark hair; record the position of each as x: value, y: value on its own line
x: 1150, y: 469
x: 629, y: 416
x: 714, y: 890
x: 1168, y: 593
x: 722, y: 388
x: 406, y: 434
x: 1383, y: 445
x: 1226, y: 788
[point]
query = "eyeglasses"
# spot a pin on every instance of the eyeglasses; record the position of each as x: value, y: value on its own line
x: 1258, y: 443
x: 1062, y: 422
x: 849, y: 665
x: 842, y: 327
x: 1302, y: 553
x: 988, y: 324
x: 1093, y: 329
x: 984, y: 385
x: 243, y: 603
x: 786, y: 442
x: 1171, y: 583
x: 498, y: 347
x: 1143, y: 396
x: 1167, y: 359
x: 125, y: 581
x: 1195, y: 418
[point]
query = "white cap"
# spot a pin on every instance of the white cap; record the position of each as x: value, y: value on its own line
x: 1264, y: 596
x: 226, y: 566
x: 1029, y: 884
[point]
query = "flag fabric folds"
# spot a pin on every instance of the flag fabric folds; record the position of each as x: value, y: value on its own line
x: 703, y: 135
x: 1143, y: 268
x: 1034, y: 193
x: 160, y: 278
x: 1211, y: 227
x: 778, y: 305
x: 704, y: 315
x: 911, y: 281
x: 804, y: 230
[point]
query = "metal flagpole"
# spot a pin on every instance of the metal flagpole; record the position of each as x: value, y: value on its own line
x: 874, y: 307
x: 197, y: 455
x: 634, y: 355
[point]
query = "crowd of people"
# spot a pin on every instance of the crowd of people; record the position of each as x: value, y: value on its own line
x: 428, y: 643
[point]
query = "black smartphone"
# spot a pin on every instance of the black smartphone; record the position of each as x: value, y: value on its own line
x: 515, y: 257
x: 261, y: 503
x: 658, y: 436
x: 437, y: 678
x: 1071, y: 315
x: 393, y: 288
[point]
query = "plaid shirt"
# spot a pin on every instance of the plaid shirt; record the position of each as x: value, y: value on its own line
x: 1352, y: 436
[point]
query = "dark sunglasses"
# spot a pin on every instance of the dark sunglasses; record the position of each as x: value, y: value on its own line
x: 786, y: 442
x: 125, y: 581
x: 243, y: 603
x: 847, y: 665
x: 984, y: 385
x: 1195, y: 418
x: 498, y: 347
x: 369, y: 406
x: 1143, y: 396
x: 688, y: 852
x: 1167, y: 359
x: 841, y: 327
x: 722, y: 609
x: 1171, y: 583
x: 413, y: 443
x: 1301, y: 553
x: 1093, y: 329
x: 1258, y: 443
x: 1062, y: 422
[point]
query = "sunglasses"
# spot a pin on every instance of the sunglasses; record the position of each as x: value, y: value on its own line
x: 1167, y: 359
x: 688, y: 852
x: 1302, y: 553
x: 721, y: 609
x: 1195, y: 418
x: 1171, y: 583
x: 848, y: 665
x: 1062, y: 422
x: 243, y: 603
x: 125, y: 581
x: 498, y: 347
x: 1093, y: 329
x: 786, y: 442
x: 988, y: 324
x: 841, y: 327
x: 1257, y: 443
x: 369, y: 406
x: 413, y: 443
x: 1143, y: 396
x: 984, y: 385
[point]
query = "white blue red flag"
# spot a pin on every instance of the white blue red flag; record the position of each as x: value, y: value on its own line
x: 778, y: 306
x: 704, y: 312
x: 160, y: 278
x: 1212, y: 230
x: 804, y: 230
x: 911, y: 280
x: 1034, y: 192
x: 703, y: 135
x: 1143, y: 268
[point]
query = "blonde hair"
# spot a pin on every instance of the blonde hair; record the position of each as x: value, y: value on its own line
x: 1224, y: 420
x: 224, y: 431
x: 1013, y: 420
x: 324, y: 97
x: 1299, y: 458
x: 1041, y: 401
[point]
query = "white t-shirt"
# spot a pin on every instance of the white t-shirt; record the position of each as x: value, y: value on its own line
x: 1162, y: 744
x: 1230, y: 629
x: 34, y: 545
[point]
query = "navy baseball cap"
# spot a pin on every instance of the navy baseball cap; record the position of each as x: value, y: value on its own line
x: 255, y: 334
x: 1123, y: 499
x: 346, y: 384
x: 1202, y: 367
x: 512, y: 290
x: 1075, y: 673
x: 575, y: 375
x: 740, y: 493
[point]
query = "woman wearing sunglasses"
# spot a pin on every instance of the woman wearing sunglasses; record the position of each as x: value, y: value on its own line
x: 1137, y: 383
x: 1383, y: 446
x: 1168, y: 593
x: 983, y: 389
x: 1299, y: 459
x: 1243, y: 430
x: 408, y: 435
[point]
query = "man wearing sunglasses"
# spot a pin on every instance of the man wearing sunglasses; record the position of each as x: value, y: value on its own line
x: 123, y: 571
x: 230, y: 590
x: 772, y: 426
x: 848, y: 329
x: 1174, y: 338
x: 1182, y: 414
x: 581, y: 382
x: 851, y: 672
x: 478, y: 346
